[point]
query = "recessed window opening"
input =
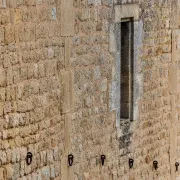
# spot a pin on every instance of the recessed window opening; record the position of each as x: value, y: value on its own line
x: 127, y: 31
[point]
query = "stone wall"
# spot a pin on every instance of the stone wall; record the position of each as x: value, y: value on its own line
x: 31, y: 59
x: 59, y: 90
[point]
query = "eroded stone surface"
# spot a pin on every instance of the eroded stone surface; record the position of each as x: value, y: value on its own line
x: 60, y: 90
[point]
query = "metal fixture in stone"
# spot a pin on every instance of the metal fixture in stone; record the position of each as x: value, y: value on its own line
x: 70, y: 159
x: 177, y: 166
x: 103, y: 157
x: 155, y: 165
x: 29, y: 158
x: 131, y: 163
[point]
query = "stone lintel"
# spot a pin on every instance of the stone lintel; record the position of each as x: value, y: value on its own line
x: 126, y: 11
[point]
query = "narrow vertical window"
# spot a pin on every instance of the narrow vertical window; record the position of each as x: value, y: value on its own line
x: 127, y: 69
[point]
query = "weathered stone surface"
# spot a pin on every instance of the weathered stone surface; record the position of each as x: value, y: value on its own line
x: 127, y: 11
x: 67, y: 18
x: 67, y: 95
x: 68, y: 46
x: 60, y: 64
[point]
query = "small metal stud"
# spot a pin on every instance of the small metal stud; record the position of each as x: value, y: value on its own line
x: 155, y: 164
x: 29, y: 158
x: 103, y: 157
x: 177, y: 165
x: 70, y: 159
x: 131, y: 163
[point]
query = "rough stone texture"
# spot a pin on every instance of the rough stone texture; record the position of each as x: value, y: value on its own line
x: 67, y: 18
x: 60, y: 90
x: 32, y: 55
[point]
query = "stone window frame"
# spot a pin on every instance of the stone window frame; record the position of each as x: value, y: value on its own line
x: 122, y: 12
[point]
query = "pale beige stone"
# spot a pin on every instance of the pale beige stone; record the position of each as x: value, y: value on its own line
x: 2, y: 174
x: 55, y: 78
x: 9, y: 34
x: 173, y: 78
x: 67, y: 96
x: 17, y: 16
x: 173, y: 144
x: 67, y: 18
x: 9, y: 171
x: 68, y: 46
x: 173, y: 171
x: 1, y: 34
x: 126, y: 11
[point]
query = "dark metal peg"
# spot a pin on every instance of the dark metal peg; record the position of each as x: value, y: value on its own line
x: 177, y: 165
x: 70, y: 159
x: 103, y: 157
x: 29, y: 158
x: 131, y: 163
x: 155, y: 164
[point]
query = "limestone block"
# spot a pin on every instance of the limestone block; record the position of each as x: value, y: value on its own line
x: 20, y: 3
x: 5, y: 145
x: 16, y: 168
x: 67, y: 96
x: 103, y: 85
x: 9, y: 34
x: 3, y: 157
x: 5, y: 17
x: 42, y: 30
x: 2, y: 174
x: 173, y: 143
x: 112, y: 39
x: 2, y: 3
x: 174, y: 16
x: 43, y: 13
x: 50, y: 157
x: 53, y: 12
x: 114, y: 95
x: 52, y: 169
x: 17, y: 16
x: 9, y: 76
x: 126, y: 11
x: 173, y: 108
x: 29, y: 14
x: 173, y: 82
x: 67, y: 18
x: 97, y: 2
x: 25, y: 33
x: 1, y: 34
x: 173, y: 170
x: 3, y: 77
x: 66, y: 172
x: 9, y: 171
x: 30, y: 2
x: 64, y: 168
x: 39, y: 1
x: 45, y: 173
x: 90, y: 2
x: 1, y: 108
x: 165, y: 58
x: 175, y: 45
x: 67, y: 53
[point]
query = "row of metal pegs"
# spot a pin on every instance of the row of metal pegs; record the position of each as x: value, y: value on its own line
x: 131, y: 162
x: 102, y: 158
